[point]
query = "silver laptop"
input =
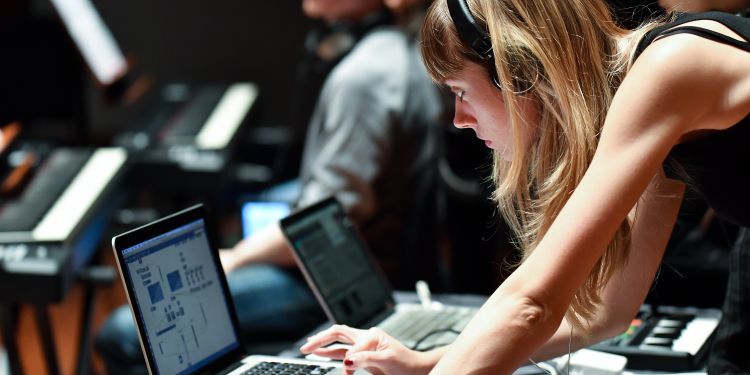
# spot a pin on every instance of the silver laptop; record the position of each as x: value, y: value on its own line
x: 181, y: 304
x: 350, y: 286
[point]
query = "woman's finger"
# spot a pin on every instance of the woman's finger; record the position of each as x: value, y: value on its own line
x: 337, y: 333
x: 337, y: 353
x: 367, y: 341
x: 317, y: 342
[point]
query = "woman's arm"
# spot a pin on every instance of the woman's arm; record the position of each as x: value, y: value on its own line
x: 652, y: 224
x: 651, y: 229
x: 529, y: 306
x: 655, y: 106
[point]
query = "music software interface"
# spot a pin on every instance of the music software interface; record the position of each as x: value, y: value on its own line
x: 180, y: 299
x: 337, y: 261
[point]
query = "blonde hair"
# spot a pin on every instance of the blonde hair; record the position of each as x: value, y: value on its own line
x: 573, y: 57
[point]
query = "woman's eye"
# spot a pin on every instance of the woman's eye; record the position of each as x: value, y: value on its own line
x: 460, y: 96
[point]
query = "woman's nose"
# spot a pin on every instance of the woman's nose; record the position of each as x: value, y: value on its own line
x: 461, y: 119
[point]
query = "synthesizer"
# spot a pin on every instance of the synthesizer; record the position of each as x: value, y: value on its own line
x: 50, y: 229
x: 665, y: 338
x: 192, y: 127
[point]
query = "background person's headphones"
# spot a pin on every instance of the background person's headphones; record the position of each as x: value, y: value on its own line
x: 331, y: 42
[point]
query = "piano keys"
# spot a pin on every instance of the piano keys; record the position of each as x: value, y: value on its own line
x: 665, y: 339
x: 214, y: 116
x: 49, y: 231
x: 192, y: 128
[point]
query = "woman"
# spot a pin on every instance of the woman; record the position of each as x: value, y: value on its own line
x: 584, y: 119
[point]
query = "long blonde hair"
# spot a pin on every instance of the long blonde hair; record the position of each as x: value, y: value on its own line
x: 573, y: 57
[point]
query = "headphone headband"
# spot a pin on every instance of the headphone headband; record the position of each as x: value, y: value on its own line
x: 469, y: 30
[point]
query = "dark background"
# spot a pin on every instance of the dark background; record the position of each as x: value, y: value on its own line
x: 193, y: 41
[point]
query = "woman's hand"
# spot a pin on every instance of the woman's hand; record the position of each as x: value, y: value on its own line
x: 372, y: 350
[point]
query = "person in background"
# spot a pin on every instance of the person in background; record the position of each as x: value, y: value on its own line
x: 596, y: 130
x: 369, y: 140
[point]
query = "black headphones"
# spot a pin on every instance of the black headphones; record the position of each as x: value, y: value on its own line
x: 473, y: 35
x: 469, y: 30
x: 479, y: 41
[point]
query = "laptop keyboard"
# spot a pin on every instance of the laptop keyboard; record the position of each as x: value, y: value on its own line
x: 278, y: 368
x: 414, y: 324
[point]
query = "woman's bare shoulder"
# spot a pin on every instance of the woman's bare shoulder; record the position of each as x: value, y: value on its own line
x: 703, y: 83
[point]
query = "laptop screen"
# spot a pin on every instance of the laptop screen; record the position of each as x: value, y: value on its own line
x: 259, y: 215
x: 180, y: 302
x: 337, y: 264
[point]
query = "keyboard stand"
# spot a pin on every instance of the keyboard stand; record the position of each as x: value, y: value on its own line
x: 91, y: 277
x: 10, y: 337
x: 41, y: 311
x: 9, y: 328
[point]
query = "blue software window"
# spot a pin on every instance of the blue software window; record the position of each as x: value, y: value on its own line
x: 175, y: 283
x: 155, y: 292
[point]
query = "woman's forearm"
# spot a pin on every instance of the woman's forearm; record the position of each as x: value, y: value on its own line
x: 501, y: 337
x: 567, y: 340
x: 428, y: 360
x: 560, y: 342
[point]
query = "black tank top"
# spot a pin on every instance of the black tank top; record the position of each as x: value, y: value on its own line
x: 717, y: 166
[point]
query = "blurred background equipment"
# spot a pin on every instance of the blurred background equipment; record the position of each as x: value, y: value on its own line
x: 78, y: 77
x: 114, y: 113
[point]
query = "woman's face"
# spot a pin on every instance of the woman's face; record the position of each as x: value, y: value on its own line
x: 480, y: 107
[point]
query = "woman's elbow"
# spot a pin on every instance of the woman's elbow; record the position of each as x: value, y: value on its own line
x: 532, y: 312
x: 533, y: 315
